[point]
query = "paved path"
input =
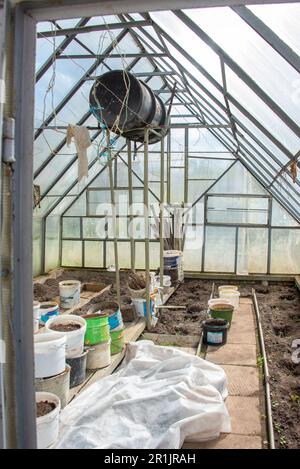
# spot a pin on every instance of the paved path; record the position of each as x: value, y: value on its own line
x: 239, y: 360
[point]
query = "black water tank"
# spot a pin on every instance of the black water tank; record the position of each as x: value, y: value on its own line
x: 121, y: 93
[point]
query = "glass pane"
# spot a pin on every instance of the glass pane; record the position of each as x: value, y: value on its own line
x: 219, y: 249
x: 71, y: 227
x: 283, y: 20
x: 259, y: 60
x: 238, y: 181
x: 192, y: 255
x: 252, y: 251
x: 285, y: 254
x: 52, y: 243
x: 93, y: 254
x: 37, y: 246
x: 94, y: 228
x: 280, y: 216
x: 72, y: 253
x: 237, y: 210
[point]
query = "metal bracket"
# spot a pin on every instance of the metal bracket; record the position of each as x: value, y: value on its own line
x: 8, y: 155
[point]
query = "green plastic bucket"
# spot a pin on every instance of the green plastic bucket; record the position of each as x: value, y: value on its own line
x: 97, y: 328
x: 222, y: 311
x: 117, y: 341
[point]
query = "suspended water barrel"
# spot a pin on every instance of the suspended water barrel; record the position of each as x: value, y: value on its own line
x: 119, y: 93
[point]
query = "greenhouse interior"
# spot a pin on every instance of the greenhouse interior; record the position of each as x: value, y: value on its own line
x: 150, y: 213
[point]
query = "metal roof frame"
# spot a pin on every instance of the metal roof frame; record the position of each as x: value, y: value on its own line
x: 206, y: 111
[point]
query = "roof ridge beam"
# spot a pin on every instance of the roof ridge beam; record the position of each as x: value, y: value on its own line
x: 91, y: 28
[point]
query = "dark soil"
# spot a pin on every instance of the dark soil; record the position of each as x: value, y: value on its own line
x: 50, y: 289
x: 44, y: 408
x: 65, y: 327
x: 194, y: 294
x: 280, y: 311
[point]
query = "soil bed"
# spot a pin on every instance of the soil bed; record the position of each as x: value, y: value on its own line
x: 44, y: 408
x: 280, y: 312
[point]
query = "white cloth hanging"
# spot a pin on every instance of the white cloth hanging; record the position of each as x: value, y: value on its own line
x: 82, y: 141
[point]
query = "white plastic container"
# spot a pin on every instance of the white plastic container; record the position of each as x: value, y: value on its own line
x: 216, y: 301
x: 69, y: 292
x: 36, y: 310
x: 227, y: 287
x: 47, y: 426
x: 99, y: 356
x: 233, y: 296
x: 75, y: 339
x: 140, y: 306
x: 36, y: 316
x: 49, y: 354
x: 48, y: 310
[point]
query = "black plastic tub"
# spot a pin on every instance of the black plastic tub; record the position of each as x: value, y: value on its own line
x: 121, y: 94
x: 78, y: 369
x: 215, y: 331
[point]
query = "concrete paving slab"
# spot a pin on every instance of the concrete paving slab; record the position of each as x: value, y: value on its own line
x: 242, y: 380
x: 245, y: 415
x: 230, y: 441
x: 245, y: 301
x: 241, y: 335
x: 232, y: 354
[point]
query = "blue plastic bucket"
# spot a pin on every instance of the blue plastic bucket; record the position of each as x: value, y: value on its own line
x: 115, y: 320
x: 171, y: 258
x: 48, y: 310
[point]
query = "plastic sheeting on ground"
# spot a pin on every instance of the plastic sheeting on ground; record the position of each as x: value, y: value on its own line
x: 158, y: 399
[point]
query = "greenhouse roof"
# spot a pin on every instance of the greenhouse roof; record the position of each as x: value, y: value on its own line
x: 233, y: 71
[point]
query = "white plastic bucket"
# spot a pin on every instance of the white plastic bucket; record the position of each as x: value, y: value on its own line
x: 233, y: 297
x: 36, y: 310
x: 99, y: 356
x: 49, y: 354
x: 48, y: 310
x: 227, y: 287
x: 75, y: 339
x: 140, y: 306
x: 216, y: 301
x: 36, y: 316
x: 69, y: 292
x: 47, y: 426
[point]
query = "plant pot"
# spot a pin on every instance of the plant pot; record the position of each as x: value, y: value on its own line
x: 78, y: 369
x: 49, y: 354
x: 117, y: 341
x: 58, y: 385
x: 222, y: 311
x: 215, y: 331
x: 48, y: 310
x: 97, y: 328
x: 75, y: 338
x: 99, y: 356
x: 69, y: 292
x: 47, y: 426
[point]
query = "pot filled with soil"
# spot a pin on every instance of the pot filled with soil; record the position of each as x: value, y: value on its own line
x: 137, y: 285
x: 112, y: 310
x: 222, y: 311
x: 47, y: 420
x: 74, y: 328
